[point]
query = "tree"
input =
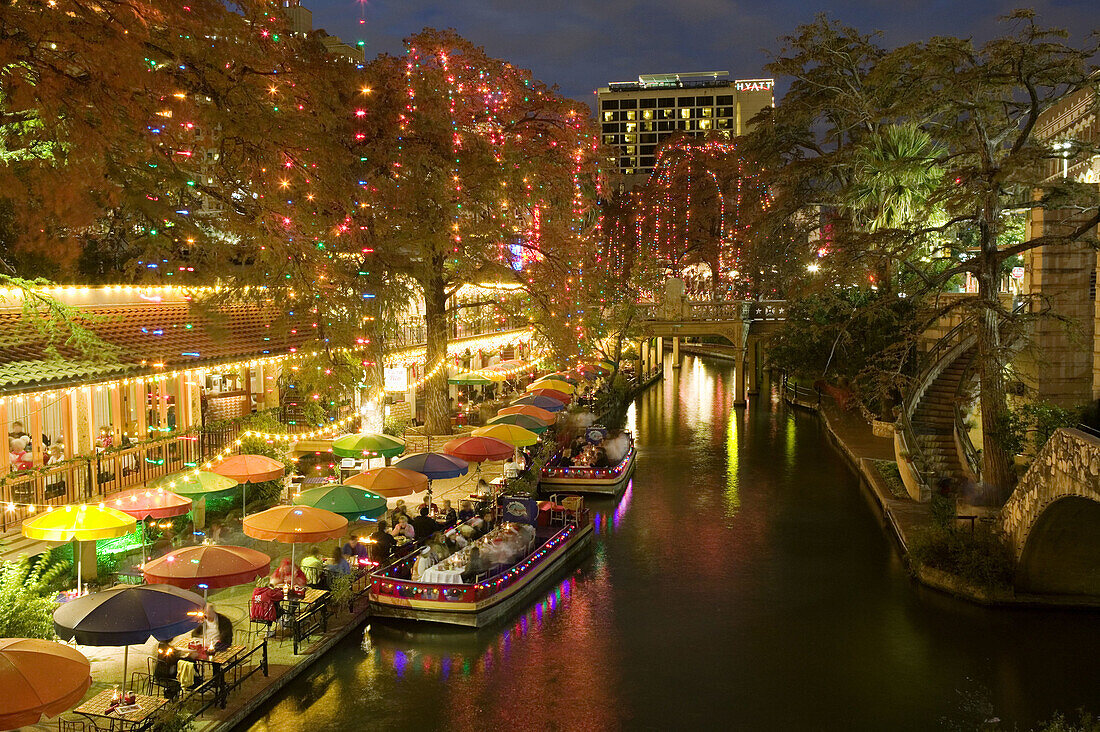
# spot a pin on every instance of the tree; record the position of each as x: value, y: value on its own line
x: 978, y: 107
x: 474, y: 171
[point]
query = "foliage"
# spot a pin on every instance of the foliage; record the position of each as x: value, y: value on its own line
x: 1082, y: 722
x: 980, y: 557
x: 528, y: 481
x: 1030, y: 425
x: 863, y: 336
x: 173, y: 717
x: 612, y: 401
x: 27, y: 590
x: 395, y: 426
x: 340, y: 585
x: 943, y: 510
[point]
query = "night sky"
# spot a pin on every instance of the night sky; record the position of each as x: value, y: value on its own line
x: 583, y: 44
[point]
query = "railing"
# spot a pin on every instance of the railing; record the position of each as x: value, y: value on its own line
x: 714, y: 310
x: 312, y: 621
x: 794, y: 392
x: 386, y: 582
x: 225, y: 679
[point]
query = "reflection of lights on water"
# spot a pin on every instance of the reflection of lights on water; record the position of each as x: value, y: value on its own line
x: 428, y: 664
x: 624, y: 503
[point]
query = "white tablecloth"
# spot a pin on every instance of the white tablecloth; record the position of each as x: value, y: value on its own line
x: 438, y: 576
x: 504, y: 545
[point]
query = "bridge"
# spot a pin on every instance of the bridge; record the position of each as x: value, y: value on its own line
x: 1052, y: 520
x: 741, y: 322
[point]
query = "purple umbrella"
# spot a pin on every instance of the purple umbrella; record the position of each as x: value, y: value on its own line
x: 435, y: 465
x: 542, y: 402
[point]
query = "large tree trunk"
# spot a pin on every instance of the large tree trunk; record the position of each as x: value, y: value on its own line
x: 435, y: 389
x: 996, y: 462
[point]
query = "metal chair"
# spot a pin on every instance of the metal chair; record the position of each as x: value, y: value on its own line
x: 142, y: 683
x: 70, y: 725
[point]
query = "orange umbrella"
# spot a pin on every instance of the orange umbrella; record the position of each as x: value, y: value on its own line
x: 150, y: 503
x: 533, y: 412
x: 39, y: 677
x: 390, y: 482
x: 247, y: 469
x: 561, y: 396
x: 476, y: 448
x: 295, y: 525
x: 209, y: 566
x: 250, y: 468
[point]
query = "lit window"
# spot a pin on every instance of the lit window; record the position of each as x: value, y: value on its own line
x: 704, y: 124
x: 647, y: 114
x: 631, y: 115
x: 608, y: 116
x: 685, y: 113
x: 631, y: 126
x: 708, y: 112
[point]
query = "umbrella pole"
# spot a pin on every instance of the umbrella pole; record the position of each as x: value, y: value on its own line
x: 125, y: 663
x: 244, y: 499
x: 79, y: 565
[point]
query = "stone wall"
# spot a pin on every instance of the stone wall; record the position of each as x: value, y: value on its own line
x: 1068, y: 465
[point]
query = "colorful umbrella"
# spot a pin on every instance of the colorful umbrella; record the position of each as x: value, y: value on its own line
x: 475, y: 449
x: 520, y: 420
x: 126, y: 614
x: 509, y: 433
x: 347, y: 500
x: 144, y: 503
x: 470, y: 379
x: 556, y: 384
x: 553, y: 394
x: 367, y: 444
x: 434, y: 465
x: 195, y: 484
x: 295, y: 525
x: 560, y: 376
x: 540, y: 415
x: 542, y: 402
x: 39, y: 677
x: 250, y: 468
x: 209, y: 566
x: 390, y: 482
x: 79, y: 523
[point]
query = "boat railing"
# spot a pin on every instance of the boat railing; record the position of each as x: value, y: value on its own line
x: 588, y: 471
x: 385, y: 583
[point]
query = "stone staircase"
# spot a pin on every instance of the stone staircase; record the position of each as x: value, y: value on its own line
x: 933, y: 419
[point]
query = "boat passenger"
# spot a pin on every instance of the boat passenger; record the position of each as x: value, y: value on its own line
x: 425, y: 525
x: 487, y: 519
x: 423, y: 561
x: 438, y: 546
x: 474, y: 566
x: 465, y: 511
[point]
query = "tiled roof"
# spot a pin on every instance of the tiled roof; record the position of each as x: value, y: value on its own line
x: 148, y: 337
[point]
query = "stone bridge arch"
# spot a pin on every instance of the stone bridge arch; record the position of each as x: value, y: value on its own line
x: 1052, y: 519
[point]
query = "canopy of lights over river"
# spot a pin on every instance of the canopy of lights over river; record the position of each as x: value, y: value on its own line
x: 743, y: 581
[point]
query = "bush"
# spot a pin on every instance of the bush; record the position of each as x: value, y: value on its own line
x: 28, y: 587
x: 980, y: 557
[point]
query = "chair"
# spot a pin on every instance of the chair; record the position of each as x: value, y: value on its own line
x: 70, y: 725
x: 557, y: 511
x: 142, y: 683
x: 573, y: 506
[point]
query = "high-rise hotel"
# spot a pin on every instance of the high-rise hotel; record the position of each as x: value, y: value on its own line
x: 637, y: 116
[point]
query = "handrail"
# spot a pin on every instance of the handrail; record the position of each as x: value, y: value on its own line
x: 704, y: 310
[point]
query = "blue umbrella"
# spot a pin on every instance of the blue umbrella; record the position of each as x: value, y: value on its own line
x: 127, y: 614
x: 435, y: 465
x: 550, y: 405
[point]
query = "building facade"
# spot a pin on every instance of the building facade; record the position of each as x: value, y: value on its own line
x: 636, y: 117
x: 1064, y: 366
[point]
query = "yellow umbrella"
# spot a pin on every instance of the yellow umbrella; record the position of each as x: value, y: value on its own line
x: 556, y: 384
x: 82, y: 523
x: 510, y: 433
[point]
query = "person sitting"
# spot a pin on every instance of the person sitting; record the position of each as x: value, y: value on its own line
x: 424, y: 525
x: 351, y: 547
x: 338, y: 564
x: 403, y: 528
x: 166, y: 670
x: 487, y: 518
x: 450, y: 516
x: 474, y: 566
x: 438, y: 546
x: 314, y: 567
x: 601, y: 459
x: 398, y: 510
x: 215, y: 629
x: 465, y: 511
x: 424, y: 560
x: 382, y: 544
x: 478, y: 525
x: 288, y: 574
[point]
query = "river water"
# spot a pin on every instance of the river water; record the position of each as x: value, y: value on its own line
x: 742, y: 582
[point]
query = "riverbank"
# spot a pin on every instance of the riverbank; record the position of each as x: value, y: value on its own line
x: 902, y: 517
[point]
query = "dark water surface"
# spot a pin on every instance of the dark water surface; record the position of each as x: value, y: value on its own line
x: 742, y: 582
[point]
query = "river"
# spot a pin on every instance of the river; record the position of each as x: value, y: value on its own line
x: 743, y: 581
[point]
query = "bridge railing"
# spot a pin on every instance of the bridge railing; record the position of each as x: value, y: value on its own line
x: 714, y: 310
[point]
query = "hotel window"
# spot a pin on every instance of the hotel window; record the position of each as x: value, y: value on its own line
x: 727, y: 99
x: 631, y: 115
x: 647, y: 114
x: 648, y: 103
x: 704, y: 124
x: 611, y: 104
x: 666, y: 113
x: 630, y: 104
x: 724, y: 124
x: 667, y: 102
x: 630, y: 138
x: 628, y: 171
x: 704, y: 101
x: 631, y: 126
x: 608, y: 116
x: 686, y: 101
x: 647, y: 127
x: 629, y: 149
x: 708, y: 112
x: 685, y: 114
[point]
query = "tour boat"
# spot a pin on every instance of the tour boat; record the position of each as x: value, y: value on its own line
x: 556, y: 536
x: 609, y: 481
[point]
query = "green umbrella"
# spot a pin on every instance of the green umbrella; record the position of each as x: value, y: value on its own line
x: 520, y: 420
x: 194, y: 483
x: 470, y: 379
x: 347, y: 500
x: 367, y: 444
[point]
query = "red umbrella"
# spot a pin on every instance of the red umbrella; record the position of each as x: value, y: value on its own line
x: 39, y: 677
x: 208, y: 566
x: 561, y: 396
x: 144, y: 503
x: 475, y: 448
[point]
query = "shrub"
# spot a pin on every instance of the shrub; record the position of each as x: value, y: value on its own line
x: 980, y: 557
x: 27, y: 590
